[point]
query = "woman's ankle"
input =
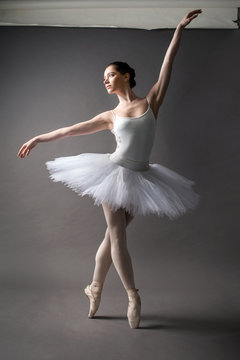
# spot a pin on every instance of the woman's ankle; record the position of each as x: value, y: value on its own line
x: 132, y: 290
x: 133, y: 294
x: 96, y: 285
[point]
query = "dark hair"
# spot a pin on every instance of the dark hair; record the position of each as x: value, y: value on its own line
x: 124, y: 68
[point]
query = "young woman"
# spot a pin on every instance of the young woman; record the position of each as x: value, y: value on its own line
x: 124, y: 182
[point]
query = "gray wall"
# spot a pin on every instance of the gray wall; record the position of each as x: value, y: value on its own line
x: 52, y: 77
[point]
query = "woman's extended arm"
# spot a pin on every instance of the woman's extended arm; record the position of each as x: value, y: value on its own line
x: 98, y: 123
x: 158, y: 91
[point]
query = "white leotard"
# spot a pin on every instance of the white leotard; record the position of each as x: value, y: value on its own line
x: 134, y: 137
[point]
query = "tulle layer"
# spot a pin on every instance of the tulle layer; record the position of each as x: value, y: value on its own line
x: 158, y: 190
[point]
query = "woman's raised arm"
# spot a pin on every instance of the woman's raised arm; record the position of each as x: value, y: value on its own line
x: 98, y: 123
x: 158, y: 91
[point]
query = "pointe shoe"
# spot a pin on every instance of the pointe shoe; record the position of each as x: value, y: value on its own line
x: 134, y: 308
x: 93, y: 292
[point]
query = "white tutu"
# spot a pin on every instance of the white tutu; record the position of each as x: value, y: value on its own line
x: 158, y: 190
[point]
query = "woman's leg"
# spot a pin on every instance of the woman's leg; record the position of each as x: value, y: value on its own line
x: 103, y: 261
x: 103, y: 258
x: 116, y: 222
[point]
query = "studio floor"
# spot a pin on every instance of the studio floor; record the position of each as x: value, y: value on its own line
x: 52, y: 324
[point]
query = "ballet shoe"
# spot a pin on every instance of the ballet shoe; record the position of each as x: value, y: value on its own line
x: 93, y: 292
x: 134, y: 308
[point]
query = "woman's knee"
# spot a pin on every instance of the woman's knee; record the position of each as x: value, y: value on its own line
x: 129, y: 217
x: 116, y: 225
x: 107, y: 235
x: 117, y: 238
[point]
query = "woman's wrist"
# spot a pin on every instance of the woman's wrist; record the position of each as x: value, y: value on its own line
x: 180, y: 26
x: 40, y: 138
x: 37, y: 138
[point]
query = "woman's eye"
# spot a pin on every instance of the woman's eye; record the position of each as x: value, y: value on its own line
x: 109, y: 76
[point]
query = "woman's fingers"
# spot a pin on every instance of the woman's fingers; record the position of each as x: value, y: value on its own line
x: 23, y: 151
x: 190, y: 16
x: 195, y: 11
x: 27, y: 147
x: 193, y: 14
x: 21, y: 154
x: 27, y: 150
x: 20, y: 149
x: 193, y: 17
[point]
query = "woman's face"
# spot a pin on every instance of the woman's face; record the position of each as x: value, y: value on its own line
x: 114, y: 80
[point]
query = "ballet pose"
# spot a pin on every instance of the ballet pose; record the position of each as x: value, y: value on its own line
x: 124, y: 182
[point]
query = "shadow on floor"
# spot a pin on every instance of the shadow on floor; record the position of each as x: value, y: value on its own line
x: 102, y: 317
x: 193, y: 324
x: 198, y: 324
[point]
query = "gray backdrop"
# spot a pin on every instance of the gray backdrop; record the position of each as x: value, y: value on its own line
x: 187, y: 270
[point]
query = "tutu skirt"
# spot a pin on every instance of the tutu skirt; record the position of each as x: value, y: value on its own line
x: 158, y: 190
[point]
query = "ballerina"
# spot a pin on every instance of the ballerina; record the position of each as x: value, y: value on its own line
x: 124, y: 182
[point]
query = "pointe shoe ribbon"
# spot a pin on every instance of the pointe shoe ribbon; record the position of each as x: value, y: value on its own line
x: 134, y: 308
x: 94, y: 295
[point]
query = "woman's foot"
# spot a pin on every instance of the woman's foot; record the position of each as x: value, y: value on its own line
x: 134, y: 308
x: 93, y: 292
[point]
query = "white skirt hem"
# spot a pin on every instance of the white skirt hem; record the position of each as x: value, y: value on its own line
x: 158, y: 190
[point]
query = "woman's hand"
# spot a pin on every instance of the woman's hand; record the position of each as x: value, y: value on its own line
x: 27, y: 147
x: 189, y: 17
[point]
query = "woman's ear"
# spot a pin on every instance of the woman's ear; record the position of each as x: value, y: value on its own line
x: 127, y: 77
